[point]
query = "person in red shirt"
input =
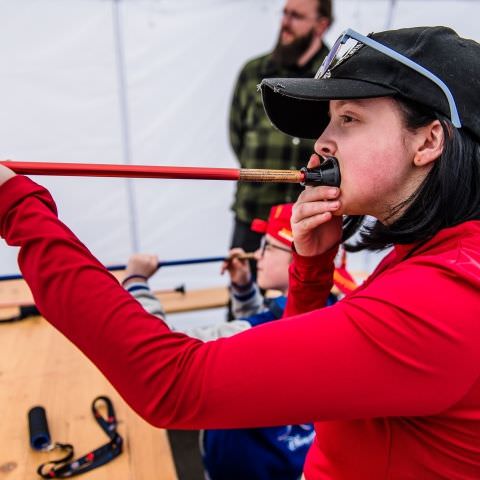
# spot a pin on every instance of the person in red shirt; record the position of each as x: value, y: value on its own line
x: 391, y: 373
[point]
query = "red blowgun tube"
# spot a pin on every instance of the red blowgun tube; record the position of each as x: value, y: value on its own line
x: 328, y: 173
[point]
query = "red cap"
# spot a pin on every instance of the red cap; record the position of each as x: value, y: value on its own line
x: 277, y: 225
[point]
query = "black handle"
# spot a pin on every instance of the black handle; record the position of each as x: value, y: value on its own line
x: 38, y: 428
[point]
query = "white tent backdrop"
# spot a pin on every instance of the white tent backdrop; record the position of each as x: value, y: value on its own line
x: 149, y: 82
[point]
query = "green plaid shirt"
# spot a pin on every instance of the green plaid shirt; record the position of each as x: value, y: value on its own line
x: 258, y: 144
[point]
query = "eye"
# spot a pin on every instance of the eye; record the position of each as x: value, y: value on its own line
x: 346, y: 119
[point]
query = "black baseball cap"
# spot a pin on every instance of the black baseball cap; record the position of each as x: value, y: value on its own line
x: 299, y: 106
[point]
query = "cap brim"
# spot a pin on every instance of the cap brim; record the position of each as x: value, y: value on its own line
x: 299, y: 106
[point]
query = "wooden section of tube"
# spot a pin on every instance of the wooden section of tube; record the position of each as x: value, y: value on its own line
x: 270, y: 176
x: 244, y: 256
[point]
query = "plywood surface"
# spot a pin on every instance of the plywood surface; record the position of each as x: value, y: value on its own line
x: 16, y: 292
x: 38, y: 366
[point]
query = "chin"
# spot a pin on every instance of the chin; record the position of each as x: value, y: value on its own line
x: 263, y: 285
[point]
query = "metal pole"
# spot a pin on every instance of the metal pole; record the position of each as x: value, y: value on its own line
x: 124, y: 120
x: 166, y: 263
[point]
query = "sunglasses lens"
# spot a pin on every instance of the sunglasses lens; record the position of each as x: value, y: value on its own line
x: 329, y: 58
x: 344, y: 47
x: 326, y: 63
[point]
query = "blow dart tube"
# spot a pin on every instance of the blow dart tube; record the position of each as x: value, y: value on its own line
x: 328, y: 173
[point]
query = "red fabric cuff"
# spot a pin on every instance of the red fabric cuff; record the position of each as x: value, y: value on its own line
x: 16, y: 189
x: 308, y: 269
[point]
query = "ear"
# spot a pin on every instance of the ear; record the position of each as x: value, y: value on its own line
x: 321, y: 26
x: 430, y: 144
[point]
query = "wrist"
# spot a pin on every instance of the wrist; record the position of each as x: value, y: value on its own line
x: 243, y: 285
x: 134, y: 278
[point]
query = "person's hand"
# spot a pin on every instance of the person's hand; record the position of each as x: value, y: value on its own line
x: 238, y: 269
x: 315, y: 227
x: 142, y: 264
x: 5, y: 174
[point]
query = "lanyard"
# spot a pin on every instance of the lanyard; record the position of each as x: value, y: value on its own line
x: 66, y: 467
x: 24, y: 311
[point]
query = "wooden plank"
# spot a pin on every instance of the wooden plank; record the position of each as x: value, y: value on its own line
x: 14, y: 293
x: 38, y: 366
x: 194, y: 299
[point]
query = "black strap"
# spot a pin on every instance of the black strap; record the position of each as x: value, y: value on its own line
x: 94, y: 459
x: 24, y: 311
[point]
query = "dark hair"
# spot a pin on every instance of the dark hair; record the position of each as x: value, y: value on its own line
x: 449, y: 194
x: 324, y: 9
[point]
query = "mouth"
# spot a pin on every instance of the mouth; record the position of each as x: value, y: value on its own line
x: 286, y: 34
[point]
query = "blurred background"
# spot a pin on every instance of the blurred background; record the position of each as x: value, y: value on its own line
x: 150, y: 82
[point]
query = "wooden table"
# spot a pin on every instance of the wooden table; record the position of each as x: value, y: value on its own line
x: 38, y: 366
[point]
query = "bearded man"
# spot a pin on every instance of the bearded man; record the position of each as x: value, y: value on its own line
x: 299, y: 52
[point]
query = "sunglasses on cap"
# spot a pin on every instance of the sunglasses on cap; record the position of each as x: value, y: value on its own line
x: 350, y: 41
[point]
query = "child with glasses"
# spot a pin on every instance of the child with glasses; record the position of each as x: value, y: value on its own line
x: 390, y: 374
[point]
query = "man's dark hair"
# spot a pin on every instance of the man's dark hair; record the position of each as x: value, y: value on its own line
x: 449, y: 194
x: 324, y: 9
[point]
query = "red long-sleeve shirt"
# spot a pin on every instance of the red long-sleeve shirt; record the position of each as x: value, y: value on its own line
x: 390, y: 374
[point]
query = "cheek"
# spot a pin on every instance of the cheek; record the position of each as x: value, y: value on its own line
x: 262, y: 280
x: 268, y: 270
x: 280, y: 271
x: 374, y: 173
x: 299, y: 30
x: 391, y: 166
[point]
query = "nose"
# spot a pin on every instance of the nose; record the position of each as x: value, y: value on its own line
x: 325, y: 146
x: 258, y: 254
x: 285, y: 21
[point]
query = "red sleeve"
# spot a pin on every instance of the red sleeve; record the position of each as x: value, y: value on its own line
x: 310, y: 282
x: 389, y: 349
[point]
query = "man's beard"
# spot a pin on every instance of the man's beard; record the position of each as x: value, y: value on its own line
x: 288, y: 55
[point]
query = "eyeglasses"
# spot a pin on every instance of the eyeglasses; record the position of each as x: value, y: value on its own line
x: 337, y: 55
x: 295, y: 16
x: 266, y: 245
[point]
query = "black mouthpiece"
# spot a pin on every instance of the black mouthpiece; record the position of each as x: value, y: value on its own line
x: 328, y: 173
